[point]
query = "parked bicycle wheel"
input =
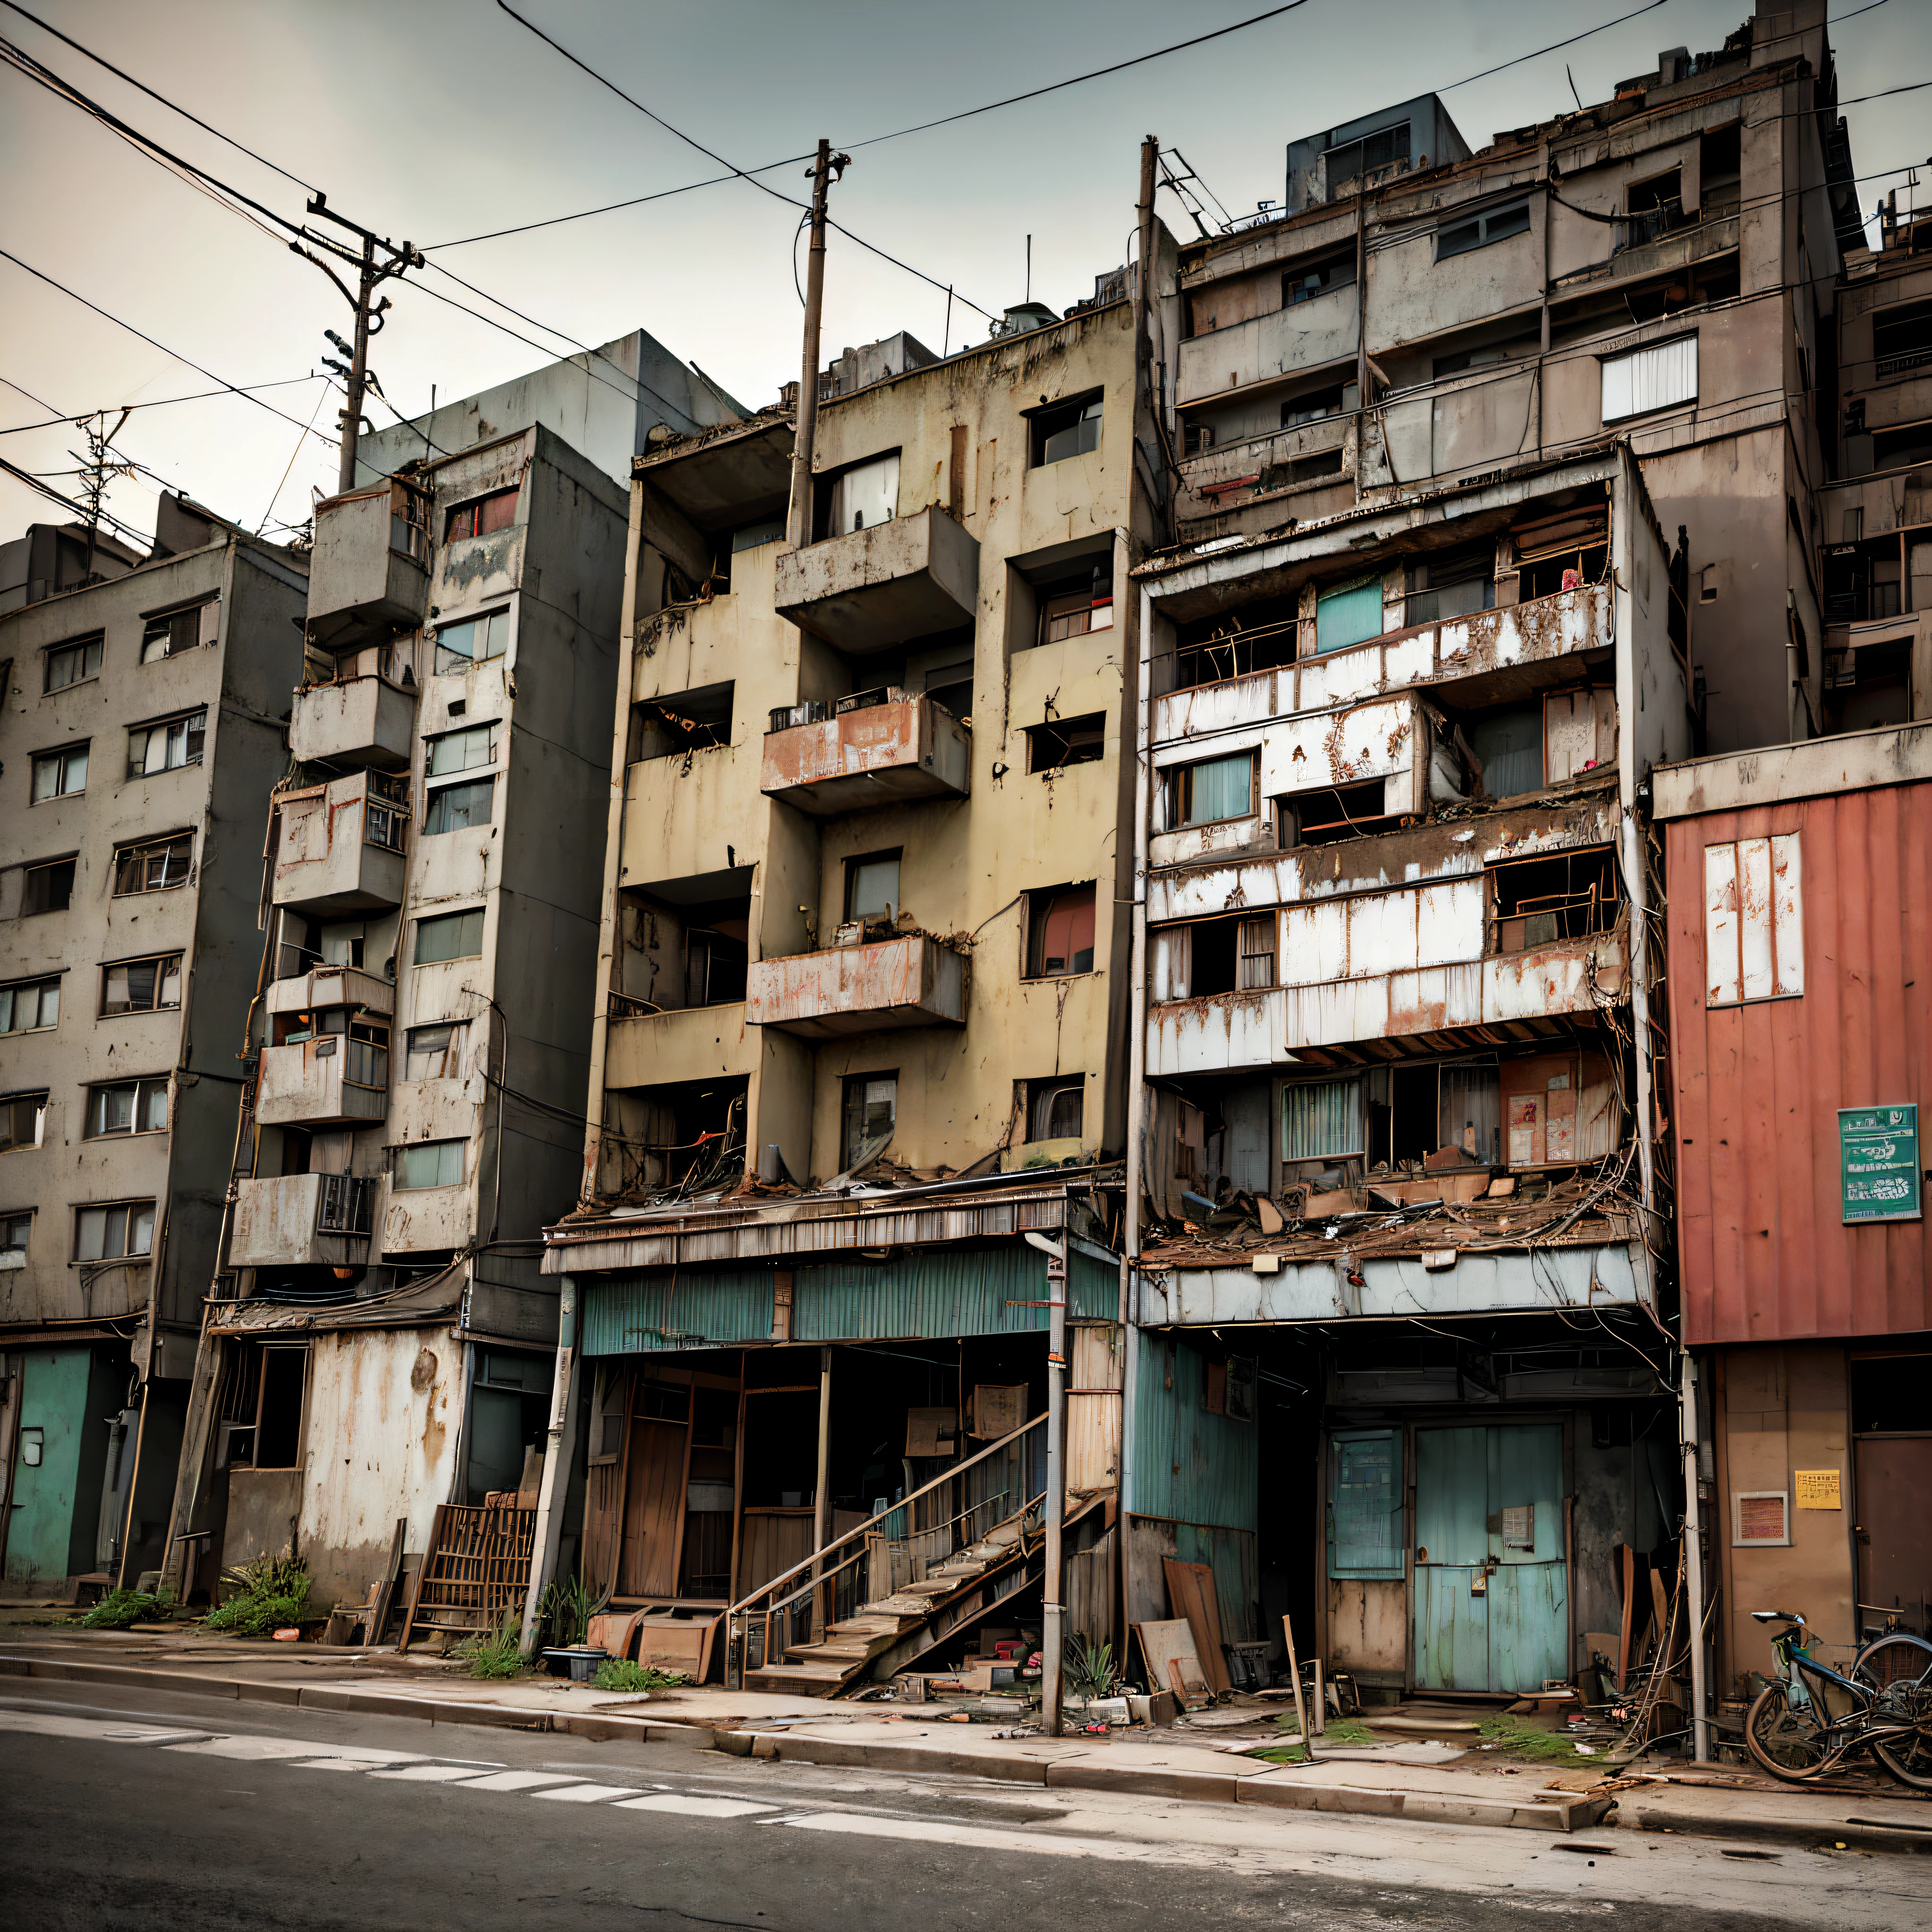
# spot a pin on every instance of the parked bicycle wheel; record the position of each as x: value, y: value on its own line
x: 1897, y: 1670
x: 1788, y: 1744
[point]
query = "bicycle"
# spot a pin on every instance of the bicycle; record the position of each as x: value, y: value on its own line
x: 1804, y: 1725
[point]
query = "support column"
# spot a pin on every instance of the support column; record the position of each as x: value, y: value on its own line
x: 821, y: 1498
x: 1053, y: 1611
x: 1693, y: 1558
x: 559, y: 1446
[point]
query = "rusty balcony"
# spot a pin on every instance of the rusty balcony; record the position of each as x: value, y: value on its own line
x: 906, y: 747
x: 906, y: 982
x: 339, y: 846
x: 329, y: 1080
x: 370, y: 568
x: 873, y: 588
x: 331, y: 986
x: 684, y: 1043
x: 355, y: 721
x: 303, y: 1220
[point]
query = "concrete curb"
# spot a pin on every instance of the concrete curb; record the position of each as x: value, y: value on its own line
x: 1825, y: 1835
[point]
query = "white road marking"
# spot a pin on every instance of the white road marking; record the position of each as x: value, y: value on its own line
x: 514, y: 1780
x: 689, y: 1805
x: 588, y: 1794
x: 870, y: 1825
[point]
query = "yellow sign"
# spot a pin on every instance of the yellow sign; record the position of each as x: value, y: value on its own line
x: 1817, y: 1488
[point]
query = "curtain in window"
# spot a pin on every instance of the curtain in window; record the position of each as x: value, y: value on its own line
x: 1471, y: 1116
x: 1321, y: 1119
x: 1352, y: 615
x: 1222, y: 788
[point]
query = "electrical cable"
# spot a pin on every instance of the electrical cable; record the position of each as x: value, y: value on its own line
x: 1649, y: 7
x: 159, y: 403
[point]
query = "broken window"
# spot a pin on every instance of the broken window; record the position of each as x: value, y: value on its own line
x: 1260, y: 636
x: 30, y: 1005
x: 1544, y: 902
x: 1348, y: 613
x: 1070, y: 607
x: 450, y: 935
x: 49, y: 887
x: 462, y: 807
x: 1215, y: 790
x: 436, y: 1052
x: 1060, y: 931
x: 1720, y: 171
x: 869, y: 1114
x: 1071, y: 741
x: 1312, y: 405
x: 386, y: 815
x: 168, y: 746
x: 872, y: 887
x: 1321, y: 817
x: 121, y: 1229
x: 261, y: 1423
x: 689, y: 721
x: 1452, y: 585
x: 1055, y: 1108
x: 1478, y: 231
x: 127, y: 1107
x: 1308, y: 279
x: 72, y: 663
x: 1753, y: 920
x: 1658, y: 377
x: 174, y: 632
x: 156, y: 866
x: 1309, y: 469
x: 860, y: 498
x: 427, y: 1164
x: 22, y: 1121
x: 1321, y: 1120
x: 1067, y: 429
x: 60, y: 774
x: 1656, y: 206
x: 142, y: 986
x: 482, y: 516
x: 474, y: 641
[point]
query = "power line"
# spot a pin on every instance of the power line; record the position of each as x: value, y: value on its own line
x: 33, y: 482
x: 159, y: 402
x: 1649, y: 7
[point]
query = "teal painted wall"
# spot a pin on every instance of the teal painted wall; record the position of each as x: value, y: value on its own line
x: 1188, y: 1465
x: 941, y: 1292
x: 66, y: 1393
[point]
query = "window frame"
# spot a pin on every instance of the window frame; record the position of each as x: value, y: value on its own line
x: 1626, y: 357
x: 40, y: 868
x: 143, y: 1086
x: 397, y: 1158
x: 440, y: 921
x: 455, y: 1045
x: 1041, y: 905
x: 13, y: 1218
x: 1042, y: 1096
x: 1051, y: 421
x: 433, y: 805
x: 474, y: 508
x: 1359, y: 1151
x: 463, y: 661
x: 127, y: 1210
x: 96, y: 642
x: 490, y: 730
x: 146, y: 850
x: 81, y: 747
x: 37, y: 985
x: 35, y: 1097
x: 1783, y: 898
x: 194, y: 722
x: 849, y: 1142
x: 1082, y: 741
x: 854, y: 863
x: 181, y: 628
x: 160, y: 961
x: 1447, y: 230
x: 1178, y: 781
x: 1394, y: 1564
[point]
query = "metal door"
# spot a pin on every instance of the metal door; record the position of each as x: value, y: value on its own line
x: 1491, y: 1600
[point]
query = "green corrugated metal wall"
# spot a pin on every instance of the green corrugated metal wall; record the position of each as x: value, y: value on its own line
x: 945, y: 1291
x: 1188, y: 1465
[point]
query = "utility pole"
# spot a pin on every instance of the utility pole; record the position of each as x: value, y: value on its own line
x: 376, y: 261
x: 824, y: 171
x: 96, y: 469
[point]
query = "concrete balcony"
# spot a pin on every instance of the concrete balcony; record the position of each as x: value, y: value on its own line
x: 689, y: 1043
x: 1284, y: 342
x: 340, y: 849
x: 908, y: 982
x: 369, y: 565
x: 357, y: 721
x: 871, y: 589
x: 332, y: 986
x: 303, y: 1220
x: 908, y: 747
x: 334, y: 1080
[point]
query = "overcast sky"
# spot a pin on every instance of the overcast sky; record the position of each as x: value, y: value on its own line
x: 435, y: 120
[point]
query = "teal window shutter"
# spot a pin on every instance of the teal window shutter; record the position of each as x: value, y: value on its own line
x: 1352, y: 615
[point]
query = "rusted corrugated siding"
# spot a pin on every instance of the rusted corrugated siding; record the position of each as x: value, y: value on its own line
x: 1765, y: 1254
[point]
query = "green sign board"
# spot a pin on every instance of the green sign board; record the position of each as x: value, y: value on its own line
x: 1878, y: 1161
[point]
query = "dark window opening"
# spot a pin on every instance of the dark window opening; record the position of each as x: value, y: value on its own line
x: 1902, y: 448
x: 1068, y: 429
x: 1478, y: 231
x: 1258, y: 637
x: 49, y: 888
x: 688, y: 720
x: 1323, y: 817
x: 691, y: 1135
x: 168, y: 636
x: 22, y: 1121
x: 298, y: 1150
x: 1211, y: 967
x: 1307, y: 280
x: 1353, y: 159
x: 692, y: 953
x: 1432, y: 1108
x: 1719, y: 170
x: 1542, y: 902
x: 153, y: 868
x: 1307, y: 470
x: 1655, y: 207
x: 71, y: 664
x: 1071, y: 606
x: 1874, y: 686
x: 1069, y: 741
x: 1452, y: 585
x: 867, y: 1115
x: 278, y: 1435
x: 1574, y: 570
x: 1196, y: 437
x: 1891, y: 1395
x: 482, y: 517
x: 1060, y: 931
x: 1484, y: 355
x: 1055, y: 1108
x: 1506, y: 745
x: 1901, y: 339
x: 714, y: 966
x: 1314, y: 405
x: 1715, y: 279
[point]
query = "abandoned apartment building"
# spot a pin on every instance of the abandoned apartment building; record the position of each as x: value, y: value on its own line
x: 860, y: 1039
x: 142, y: 695
x: 379, y: 1342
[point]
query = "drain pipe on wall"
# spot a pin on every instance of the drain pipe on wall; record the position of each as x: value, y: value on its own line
x: 1053, y: 1608
x: 1694, y: 1557
x: 559, y: 1449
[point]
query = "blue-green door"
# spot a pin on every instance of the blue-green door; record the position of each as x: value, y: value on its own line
x: 51, y: 1468
x: 1491, y: 1600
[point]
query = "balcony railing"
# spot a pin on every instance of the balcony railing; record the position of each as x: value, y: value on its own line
x: 901, y: 745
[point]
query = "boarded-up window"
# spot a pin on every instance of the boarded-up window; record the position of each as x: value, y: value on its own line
x: 1655, y: 378
x: 1579, y: 734
x: 1753, y: 921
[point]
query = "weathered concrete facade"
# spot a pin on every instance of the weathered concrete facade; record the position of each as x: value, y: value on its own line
x: 142, y: 720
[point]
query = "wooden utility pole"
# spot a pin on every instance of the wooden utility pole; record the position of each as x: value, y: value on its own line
x: 824, y: 171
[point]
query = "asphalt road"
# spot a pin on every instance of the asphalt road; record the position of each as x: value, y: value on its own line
x: 137, y: 1810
